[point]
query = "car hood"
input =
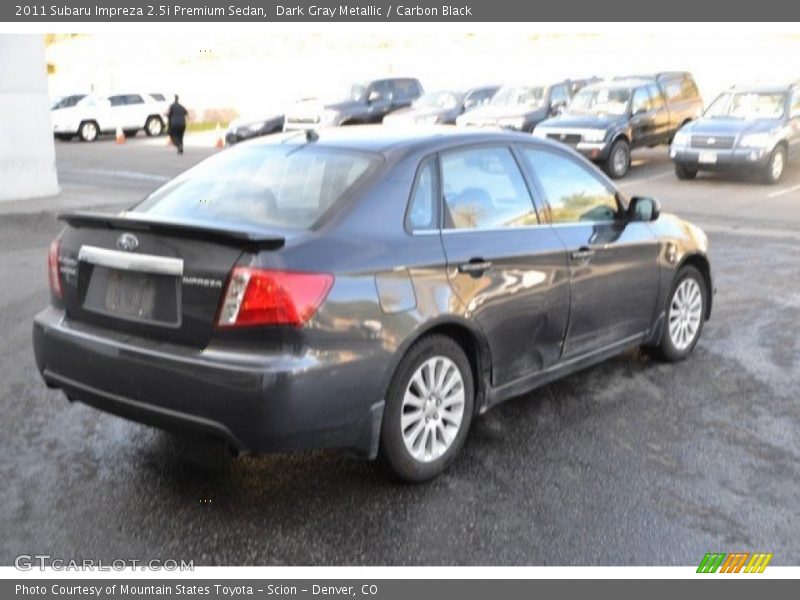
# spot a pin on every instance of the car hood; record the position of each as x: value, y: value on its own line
x: 503, y: 112
x: 579, y: 121
x: 722, y: 127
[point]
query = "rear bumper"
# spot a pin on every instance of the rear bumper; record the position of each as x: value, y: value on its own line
x: 258, y: 402
x: 725, y: 159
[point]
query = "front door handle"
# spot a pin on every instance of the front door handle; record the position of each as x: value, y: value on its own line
x: 582, y: 253
x: 475, y: 267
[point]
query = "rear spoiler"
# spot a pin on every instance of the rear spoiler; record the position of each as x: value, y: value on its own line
x: 247, y: 239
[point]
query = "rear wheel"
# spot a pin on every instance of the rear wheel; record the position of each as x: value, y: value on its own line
x: 684, y: 172
x: 88, y: 131
x: 619, y: 159
x: 775, y: 166
x: 429, y: 408
x: 154, y: 126
x: 685, y: 315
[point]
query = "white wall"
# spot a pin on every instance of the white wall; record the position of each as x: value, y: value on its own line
x: 27, y: 153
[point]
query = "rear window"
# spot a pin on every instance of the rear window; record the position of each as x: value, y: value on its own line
x: 285, y: 186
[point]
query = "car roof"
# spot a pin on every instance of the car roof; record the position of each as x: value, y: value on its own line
x: 764, y: 88
x: 619, y: 84
x: 391, y: 140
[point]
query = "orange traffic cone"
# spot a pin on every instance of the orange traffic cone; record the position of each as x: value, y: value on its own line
x: 220, y: 143
x: 120, y: 135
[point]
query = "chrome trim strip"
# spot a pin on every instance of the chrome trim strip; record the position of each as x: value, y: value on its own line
x: 127, y: 261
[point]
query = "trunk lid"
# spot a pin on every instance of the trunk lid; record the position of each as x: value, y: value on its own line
x: 149, y: 277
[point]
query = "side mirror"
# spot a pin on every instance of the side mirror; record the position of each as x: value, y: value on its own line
x: 644, y: 209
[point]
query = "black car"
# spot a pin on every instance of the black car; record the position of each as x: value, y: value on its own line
x: 360, y: 103
x: 607, y: 120
x: 522, y: 107
x: 246, y: 128
x: 441, y: 107
x: 364, y: 288
x: 754, y: 128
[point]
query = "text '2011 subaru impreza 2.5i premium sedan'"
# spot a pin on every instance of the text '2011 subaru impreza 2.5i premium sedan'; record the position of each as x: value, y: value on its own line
x: 365, y: 289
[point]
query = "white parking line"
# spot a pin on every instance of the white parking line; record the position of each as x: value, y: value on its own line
x: 777, y: 193
x: 117, y: 173
x: 645, y: 179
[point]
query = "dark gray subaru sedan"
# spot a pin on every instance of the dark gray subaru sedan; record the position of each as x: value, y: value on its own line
x: 364, y: 289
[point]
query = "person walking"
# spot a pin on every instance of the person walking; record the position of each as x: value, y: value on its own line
x: 176, y: 115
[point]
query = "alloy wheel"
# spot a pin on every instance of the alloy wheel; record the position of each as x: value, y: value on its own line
x: 433, y: 409
x: 685, y: 314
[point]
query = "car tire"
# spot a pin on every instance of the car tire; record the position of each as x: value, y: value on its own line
x: 684, y: 172
x: 685, y: 316
x: 154, y: 126
x: 88, y: 131
x: 776, y: 165
x: 429, y: 407
x: 619, y: 159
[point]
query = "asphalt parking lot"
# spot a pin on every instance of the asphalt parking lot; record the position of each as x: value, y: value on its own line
x: 630, y: 462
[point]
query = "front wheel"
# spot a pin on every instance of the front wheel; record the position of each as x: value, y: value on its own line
x: 684, y: 172
x: 429, y: 408
x: 775, y: 166
x: 154, y: 126
x: 686, y: 313
x: 619, y: 159
x: 88, y: 131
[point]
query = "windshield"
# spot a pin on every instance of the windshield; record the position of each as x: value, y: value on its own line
x: 519, y: 96
x: 747, y: 105
x: 68, y: 101
x: 445, y: 100
x: 601, y: 101
x: 284, y: 186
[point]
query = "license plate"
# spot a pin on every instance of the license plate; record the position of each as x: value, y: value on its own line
x: 130, y: 295
x: 707, y: 158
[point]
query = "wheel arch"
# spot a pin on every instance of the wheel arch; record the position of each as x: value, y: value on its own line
x: 467, y: 336
x: 701, y: 263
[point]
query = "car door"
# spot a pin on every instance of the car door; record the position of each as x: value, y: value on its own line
x: 509, y: 272
x: 559, y: 98
x: 662, y: 124
x: 643, y: 122
x: 379, y: 101
x: 116, y: 113
x: 135, y: 109
x: 794, y: 124
x: 613, y: 262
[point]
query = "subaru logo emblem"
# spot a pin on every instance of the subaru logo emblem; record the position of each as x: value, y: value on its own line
x: 127, y: 242
x: 712, y: 141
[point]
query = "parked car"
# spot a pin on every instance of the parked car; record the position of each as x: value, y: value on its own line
x: 248, y: 127
x: 365, y: 288
x: 522, y: 107
x: 441, y: 107
x: 747, y: 127
x: 94, y: 115
x: 67, y: 101
x: 605, y: 121
x: 359, y: 103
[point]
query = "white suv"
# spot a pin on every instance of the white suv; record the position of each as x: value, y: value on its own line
x: 94, y: 115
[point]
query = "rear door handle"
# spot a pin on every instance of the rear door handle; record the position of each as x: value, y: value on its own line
x: 475, y: 267
x: 582, y: 253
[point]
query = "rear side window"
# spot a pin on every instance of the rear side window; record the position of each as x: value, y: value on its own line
x: 134, y: 99
x: 406, y: 88
x: 422, y: 209
x: 656, y: 99
x: 484, y: 189
x: 283, y: 186
x: 573, y: 193
x: 158, y: 97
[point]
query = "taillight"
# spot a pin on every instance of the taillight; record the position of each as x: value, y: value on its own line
x: 52, y: 268
x: 267, y: 297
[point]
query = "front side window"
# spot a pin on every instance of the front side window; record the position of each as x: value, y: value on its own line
x: 285, y: 185
x: 484, y: 189
x: 559, y: 95
x: 116, y: 100
x: 641, y: 101
x: 574, y: 194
